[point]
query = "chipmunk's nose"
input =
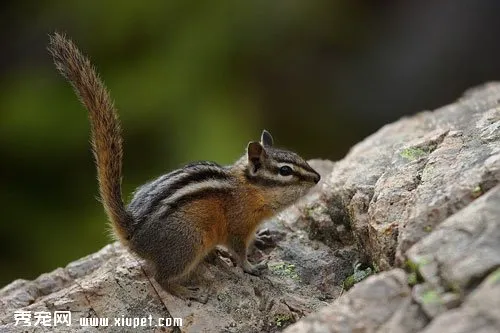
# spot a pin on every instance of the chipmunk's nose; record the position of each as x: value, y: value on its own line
x: 317, y: 178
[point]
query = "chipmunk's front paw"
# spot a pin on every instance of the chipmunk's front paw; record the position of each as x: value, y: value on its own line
x: 255, y: 269
x: 262, y: 265
x: 264, y: 239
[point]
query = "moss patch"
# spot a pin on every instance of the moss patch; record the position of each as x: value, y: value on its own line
x: 413, y: 153
x: 283, y: 319
x: 431, y: 296
x: 284, y: 269
x: 412, y: 279
x: 358, y: 275
x: 477, y: 192
x: 413, y: 269
x: 494, y: 277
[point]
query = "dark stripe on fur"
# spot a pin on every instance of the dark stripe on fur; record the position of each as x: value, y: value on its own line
x: 201, y: 194
x: 194, y: 173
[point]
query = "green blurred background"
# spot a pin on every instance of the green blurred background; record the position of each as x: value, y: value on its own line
x: 196, y: 80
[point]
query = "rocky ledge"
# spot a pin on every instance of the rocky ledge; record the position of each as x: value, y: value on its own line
x: 402, y: 235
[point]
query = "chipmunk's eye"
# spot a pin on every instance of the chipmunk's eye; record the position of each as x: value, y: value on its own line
x: 285, y: 170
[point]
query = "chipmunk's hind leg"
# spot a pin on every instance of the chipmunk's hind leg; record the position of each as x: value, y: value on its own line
x: 174, y: 284
x: 179, y: 256
x: 196, y: 294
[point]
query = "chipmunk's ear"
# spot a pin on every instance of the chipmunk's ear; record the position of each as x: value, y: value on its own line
x: 266, y: 139
x: 256, y: 155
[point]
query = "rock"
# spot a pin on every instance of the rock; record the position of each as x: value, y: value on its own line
x: 464, y: 248
x: 462, y: 253
x: 421, y: 195
x: 435, y: 222
x: 397, y: 185
x: 478, y: 313
x: 360, y: 310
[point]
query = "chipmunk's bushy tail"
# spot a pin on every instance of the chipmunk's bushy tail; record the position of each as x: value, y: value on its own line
x: 105, y: 128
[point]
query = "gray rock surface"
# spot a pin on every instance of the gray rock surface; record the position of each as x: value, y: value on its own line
x: 419, y: 200
x: 458, y: 287
x: 423, y: 194
x: 396, y: 186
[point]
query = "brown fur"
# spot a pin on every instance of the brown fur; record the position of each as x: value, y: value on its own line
x: 209, y: 217
x: 250, y: 215
x: 105, y: 128
x: 218, y: 220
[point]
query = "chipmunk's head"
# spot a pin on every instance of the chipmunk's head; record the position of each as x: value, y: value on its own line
x: 284, y: 175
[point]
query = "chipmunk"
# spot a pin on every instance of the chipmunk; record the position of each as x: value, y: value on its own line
x: 176, y: 220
